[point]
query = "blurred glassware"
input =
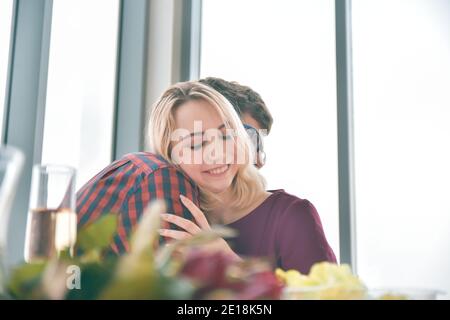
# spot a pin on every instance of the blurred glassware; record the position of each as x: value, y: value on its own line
x: 11, y: 163
x: 52, y: 221
x: 324, y: 292
x: 404, y: 294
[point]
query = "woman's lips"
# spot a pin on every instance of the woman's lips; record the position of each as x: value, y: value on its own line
x: 218, y: 171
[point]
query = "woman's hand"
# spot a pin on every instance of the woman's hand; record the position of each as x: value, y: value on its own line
x: 191, y: 228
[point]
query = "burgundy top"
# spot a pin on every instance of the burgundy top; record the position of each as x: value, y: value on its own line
x: 286, y: 229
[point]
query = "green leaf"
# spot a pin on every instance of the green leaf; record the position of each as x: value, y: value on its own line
x: 148, y: 285
x: 137, y: 282
x: 97, y: 235
x: 146, y: 233
x: 25, y: 279
x: 174, y: 288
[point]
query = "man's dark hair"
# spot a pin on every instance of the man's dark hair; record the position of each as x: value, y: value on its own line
x: 244, y: 100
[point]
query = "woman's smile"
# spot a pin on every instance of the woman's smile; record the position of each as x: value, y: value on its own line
x: 218, y: 171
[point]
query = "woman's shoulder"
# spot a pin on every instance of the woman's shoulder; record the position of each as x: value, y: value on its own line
x: 279, y: 197
x: 299, y: 234
x: 288, y: 207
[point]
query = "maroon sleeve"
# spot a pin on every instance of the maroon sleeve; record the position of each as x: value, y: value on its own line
x: 301, y: 239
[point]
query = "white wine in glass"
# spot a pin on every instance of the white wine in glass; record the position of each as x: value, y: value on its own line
x: 52, y: 220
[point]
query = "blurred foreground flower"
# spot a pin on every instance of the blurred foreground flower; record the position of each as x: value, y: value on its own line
x: 325, y: 281
x: 146, y: 271
x: 217, y: 276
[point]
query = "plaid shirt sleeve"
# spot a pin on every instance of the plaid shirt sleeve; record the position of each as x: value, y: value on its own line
x: 126, y: 189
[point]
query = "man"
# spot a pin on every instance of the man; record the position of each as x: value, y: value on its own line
x: 127, y: 185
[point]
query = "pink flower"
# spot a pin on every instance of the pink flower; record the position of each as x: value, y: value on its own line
x: 262, y: 285
x: 217, y: 275
x: 208, y: 269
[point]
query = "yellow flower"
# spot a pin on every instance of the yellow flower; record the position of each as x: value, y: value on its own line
x: 325, y: 281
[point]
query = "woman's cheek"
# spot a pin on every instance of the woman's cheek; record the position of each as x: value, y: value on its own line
x: 234, y: 170
x: 193, y: 171
x: 182, y: 155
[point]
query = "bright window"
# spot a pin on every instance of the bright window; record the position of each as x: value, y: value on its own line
x: 285, y: 50
x: 79, y: 113
x: 401, y: 52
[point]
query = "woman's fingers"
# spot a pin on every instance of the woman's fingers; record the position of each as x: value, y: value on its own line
x: 196, y: 212
x: 174, y: 234
x: 187, y: 225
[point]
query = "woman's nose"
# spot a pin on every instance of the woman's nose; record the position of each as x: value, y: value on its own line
x: 214, y: 152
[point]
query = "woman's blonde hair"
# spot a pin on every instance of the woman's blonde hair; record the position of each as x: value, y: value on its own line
x: 248, y: 184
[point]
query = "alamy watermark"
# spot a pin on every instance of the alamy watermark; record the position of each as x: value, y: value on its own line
x: 73, y: 280
x: 214, y: 145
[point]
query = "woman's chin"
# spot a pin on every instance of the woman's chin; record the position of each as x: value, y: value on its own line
x: 214, y: 188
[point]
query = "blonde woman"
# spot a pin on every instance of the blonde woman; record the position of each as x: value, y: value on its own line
x: 196, y: 129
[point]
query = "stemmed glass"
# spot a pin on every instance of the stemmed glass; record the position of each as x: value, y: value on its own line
x: 52, y: 221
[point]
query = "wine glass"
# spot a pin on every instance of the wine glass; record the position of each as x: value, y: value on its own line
x: 52, y: 221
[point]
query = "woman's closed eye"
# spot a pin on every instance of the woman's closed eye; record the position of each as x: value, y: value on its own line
x: 198, y: 146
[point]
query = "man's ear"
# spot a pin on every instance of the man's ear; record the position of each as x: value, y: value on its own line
x: 261, y: 160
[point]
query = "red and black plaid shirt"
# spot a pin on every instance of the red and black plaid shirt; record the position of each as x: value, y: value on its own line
x: 127, y: 186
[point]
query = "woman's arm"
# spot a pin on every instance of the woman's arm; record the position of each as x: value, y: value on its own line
x: 190, y: 228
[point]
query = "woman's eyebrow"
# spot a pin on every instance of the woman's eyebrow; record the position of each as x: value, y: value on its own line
x: 192, y: 134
